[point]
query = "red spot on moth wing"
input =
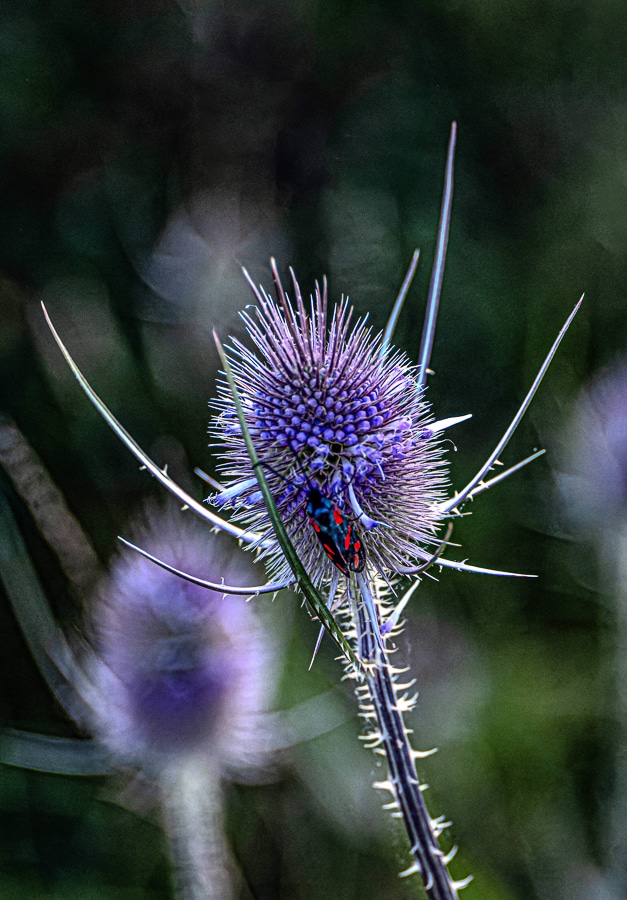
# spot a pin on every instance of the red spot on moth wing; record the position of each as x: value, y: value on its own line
x: 347, y: 540
x: 338, y: 517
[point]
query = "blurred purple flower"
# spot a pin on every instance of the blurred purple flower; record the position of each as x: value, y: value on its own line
x: 328, y: 406
x: 181, y: 672
x: 593, y: 489
x: 595, y: 484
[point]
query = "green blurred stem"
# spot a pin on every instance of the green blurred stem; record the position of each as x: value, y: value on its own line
x: 193, y: 817
x: 614, y: 555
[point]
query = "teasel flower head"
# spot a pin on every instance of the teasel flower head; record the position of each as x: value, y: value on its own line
x: 181, y: 672
x: 329, y: 406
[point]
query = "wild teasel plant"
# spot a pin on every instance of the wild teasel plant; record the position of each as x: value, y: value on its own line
x: 185, y: 679
x: 186, y: 673
x: 174, y: 685
x: 335, y: 467
x: 592, y: 486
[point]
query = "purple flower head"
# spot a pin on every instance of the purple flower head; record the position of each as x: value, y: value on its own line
x: 595, y: 488
x: 182, y: 671
x: 331, y: 409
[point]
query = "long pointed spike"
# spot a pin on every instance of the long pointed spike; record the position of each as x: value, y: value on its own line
x: 463, y: 495
x: 317, y: 647
x: 437, y: 274
x: 209, y: 480
x: 371, y: 606
x: 332, y: 591
x: 392, y: 620
x: 461, y: 567
x: 399, y: 302
x: 252, y: 285
x: 137, y: 451
x: 278, y: 283
x: 443, y: 424
x: 485, y: 485
x: 270, y: 588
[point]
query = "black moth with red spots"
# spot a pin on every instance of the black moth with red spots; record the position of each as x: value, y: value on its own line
x: 338, y: 537
x: 340, y: 541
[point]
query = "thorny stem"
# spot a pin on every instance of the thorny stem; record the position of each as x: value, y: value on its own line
x: 380, y: 702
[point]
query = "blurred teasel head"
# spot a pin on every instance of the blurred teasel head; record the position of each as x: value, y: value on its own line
x: 594, y: 484
x: 181, y: 672
x: 331, y: 410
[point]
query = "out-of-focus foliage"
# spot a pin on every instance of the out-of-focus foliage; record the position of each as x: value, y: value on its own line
x: 147, y: 150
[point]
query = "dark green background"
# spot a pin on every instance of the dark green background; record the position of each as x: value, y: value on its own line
x: 316, y: 131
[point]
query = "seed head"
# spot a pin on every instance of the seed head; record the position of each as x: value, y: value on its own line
x: 330, y: 409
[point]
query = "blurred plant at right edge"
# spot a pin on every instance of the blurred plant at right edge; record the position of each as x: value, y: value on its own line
x: 593, y: 493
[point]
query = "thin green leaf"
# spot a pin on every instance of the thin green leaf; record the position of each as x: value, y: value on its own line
x: 62, y: 756
x: 25, y: 595
x: 315, y: 603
